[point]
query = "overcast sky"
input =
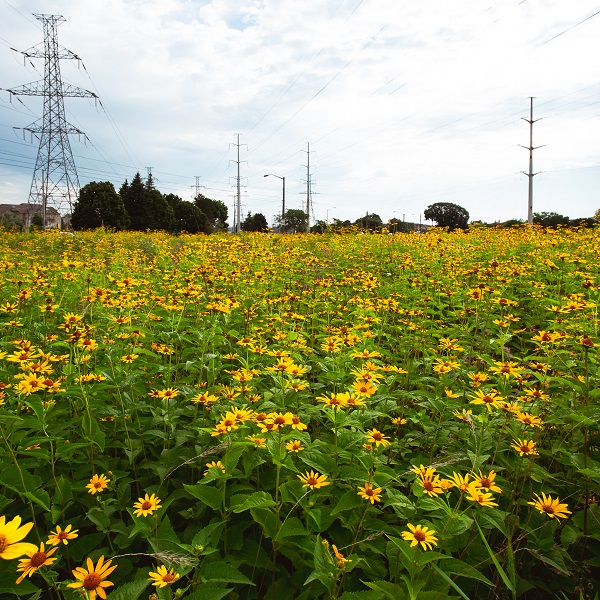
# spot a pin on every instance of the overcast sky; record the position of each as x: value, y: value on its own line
x: 403, y: 102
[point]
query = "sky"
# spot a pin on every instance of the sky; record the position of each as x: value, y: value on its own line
x: 384, y: 106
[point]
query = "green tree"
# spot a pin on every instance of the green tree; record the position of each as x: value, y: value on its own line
x: 256, y: 222
x: 133, y: 195
x: 597, y: 215
x: 446, y: 214
x: 294, y: 221
x: 550, y: 219
x: 99, y: 205
x: 146, y: 206
x: 188, y: 217
x: 369, y: 221
x: 215, y: 211
x: 11, y: 222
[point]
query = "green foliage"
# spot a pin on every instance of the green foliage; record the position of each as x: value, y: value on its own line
x: 447, y: 214
x: 215, y: 373
x: 294, y: 221
x: 370, y: 221
x: 550, y: 219
x: 99, y: 205
x: 255, y: 222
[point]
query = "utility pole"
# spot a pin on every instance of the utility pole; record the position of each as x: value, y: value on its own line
x: 55, y: 182
x: 308, y: 187
x: 530, y: 174
x: 237, y: 207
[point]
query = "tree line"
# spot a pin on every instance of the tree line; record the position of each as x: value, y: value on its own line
x: 139, y: 206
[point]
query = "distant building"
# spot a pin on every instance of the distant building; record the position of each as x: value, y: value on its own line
x: 23, y: 214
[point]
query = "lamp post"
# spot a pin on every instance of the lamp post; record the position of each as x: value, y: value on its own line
x: 282, y: 199
x: 327, y: 217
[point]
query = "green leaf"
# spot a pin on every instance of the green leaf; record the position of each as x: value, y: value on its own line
x: 448, y: 580
x: 348, y: 501
x: 222, y: 571
x: 454, y: 566
x: 130, y: 591
x: 319, y: 460
x: 207, y: 592
x: 291, y: 527
x: 364, y: 595
x: 505, y: 578
x: 256, y: 500
x: 392, y: 591
x: 495, y: 518
x: 209, y: 495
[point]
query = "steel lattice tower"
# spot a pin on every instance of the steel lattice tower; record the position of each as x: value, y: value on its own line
x: 55, y: 182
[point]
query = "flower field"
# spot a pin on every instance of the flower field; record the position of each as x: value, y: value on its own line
x: 358, y: 417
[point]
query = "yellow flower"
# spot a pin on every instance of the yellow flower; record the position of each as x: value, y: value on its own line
x: 97, y: 484
x: 431, y: 484
x: 62, y: 535
x: 92, y: 579
x: 552, y: 508
x: 341, y: 561
x: 487, y: 481
x: 129, y: 358
x: 525, y: 447
x: 489, y: 399
x: 294, y: 446
x: 259, y: 441
x: 162, y: 578
x: 214, y: 465
x: 313, y: 480
x: 460, y: 481
x: 364, y: 388
x: 529, y: 419
x: 482, y: 498
x: 146, y: 506
x: 36, y: 559
x: 11, y: 534
x: 420, y: 535
x: 376, y: 437
x: 368, y: 492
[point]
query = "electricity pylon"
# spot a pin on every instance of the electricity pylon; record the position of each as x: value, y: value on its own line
x: 55, y: 182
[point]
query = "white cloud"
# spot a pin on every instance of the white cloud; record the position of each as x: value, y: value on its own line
x: 404, y: 103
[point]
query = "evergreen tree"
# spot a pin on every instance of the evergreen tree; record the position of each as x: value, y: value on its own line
x: 99, y: 205
x: 134, y: 200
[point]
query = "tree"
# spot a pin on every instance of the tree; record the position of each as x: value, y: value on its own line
x: 188, y: 217
x: 256, y: 222
x: 597, y: 215
x: 550, y: 219
x: 294, y: 221
x: 369, y: 221
x: 99, y: 205
x: 446, y: 214
x: 146, y: 206
x: 215, y: 211
x: 133, y: 195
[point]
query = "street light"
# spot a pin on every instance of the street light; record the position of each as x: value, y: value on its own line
x: 327, y: 217
x: 282, y: 199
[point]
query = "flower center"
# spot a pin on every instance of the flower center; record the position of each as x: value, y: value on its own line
x: 91, y: 581
x: 62, y: 535
x: 311, y: 481
x: 169, y: 578
x: 525, y: 449
x: 547, y: 508
x: 38, y: 559
x: 419, y: 535
x: 3, y: 543
x: 146, y: 505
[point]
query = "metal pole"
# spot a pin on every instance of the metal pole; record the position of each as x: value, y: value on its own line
x: 283, y: 206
